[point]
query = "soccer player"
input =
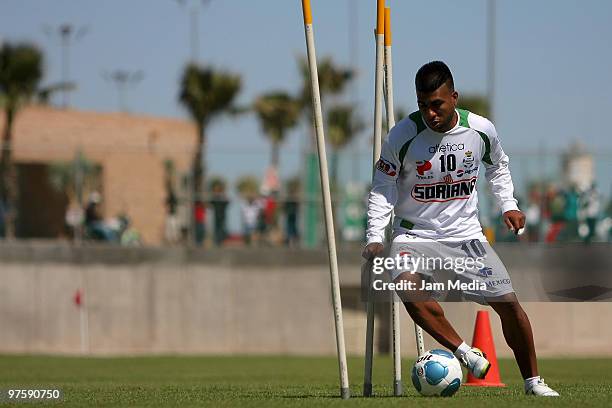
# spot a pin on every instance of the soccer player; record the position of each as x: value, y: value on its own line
x: 427, y: 174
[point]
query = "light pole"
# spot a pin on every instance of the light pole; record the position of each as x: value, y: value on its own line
x: 353, y: 46
x: 194, y: 27
x: 491, y: 29
x: 122, y: 79
x: 67, y: 33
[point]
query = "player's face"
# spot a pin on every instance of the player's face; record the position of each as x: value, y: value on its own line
x: 438, y: 108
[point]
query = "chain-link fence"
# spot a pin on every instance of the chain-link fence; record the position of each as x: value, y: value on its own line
x: 136, y: 196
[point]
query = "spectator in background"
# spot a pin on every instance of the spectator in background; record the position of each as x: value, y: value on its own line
x: 262, y: 227
x: 291, y: 210
x: 532, y: 218
x: 128, y: 235
x: 250, y: 211
x: 173, y: 230
x: 95, y: 226
x: 570, y: 214
x: 553, y: 210
x: 219, y: 203
x: 590, y: 206
x: 270, y: 208
x: 1, y: 219
x: 267, y: 225
x: 199, y: 216
x: 268, y: 218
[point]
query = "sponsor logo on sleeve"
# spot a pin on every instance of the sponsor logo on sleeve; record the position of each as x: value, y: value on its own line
x: 485, y: 272
x: 386, y: 167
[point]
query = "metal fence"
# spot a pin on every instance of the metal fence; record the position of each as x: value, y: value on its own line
x: 142, y: 205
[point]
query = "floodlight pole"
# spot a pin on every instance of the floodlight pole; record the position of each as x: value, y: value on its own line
x: 329, y: 221
x: 65, y: 31
x: 66, y: 34
x: 194, y: 27
x: 491, y: 31
x: 353, y: 47
x: 121, y: 79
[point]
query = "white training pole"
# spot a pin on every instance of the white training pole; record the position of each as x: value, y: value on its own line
x: 418, y: 333
x: 84, y: 330
x: 395, y: 309
x: 329, y: 222
x: 83, y: 316
x: 378, y: 95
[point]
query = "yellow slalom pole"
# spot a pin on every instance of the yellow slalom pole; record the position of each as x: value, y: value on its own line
x: 377, y: 142
x: 329, y: 222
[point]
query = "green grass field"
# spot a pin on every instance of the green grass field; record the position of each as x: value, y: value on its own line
x: 280, y: 381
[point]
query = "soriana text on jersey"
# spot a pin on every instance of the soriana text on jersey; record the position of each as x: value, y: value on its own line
x: 442, y: 191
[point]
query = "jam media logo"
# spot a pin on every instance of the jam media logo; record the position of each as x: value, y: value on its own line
x: 423, y: 166
x: 441, y: 191
x: 447, y: 179
x: 468, y: 160
x: 386, y: 167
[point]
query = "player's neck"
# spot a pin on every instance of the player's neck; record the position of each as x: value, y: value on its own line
x: 452, y: 123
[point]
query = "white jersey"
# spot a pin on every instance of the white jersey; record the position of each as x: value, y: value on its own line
x: 429, y: 179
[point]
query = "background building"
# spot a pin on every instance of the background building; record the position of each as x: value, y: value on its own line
x: 130, y: 150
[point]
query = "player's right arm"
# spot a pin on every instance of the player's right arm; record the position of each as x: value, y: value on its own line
x: 383, y: 195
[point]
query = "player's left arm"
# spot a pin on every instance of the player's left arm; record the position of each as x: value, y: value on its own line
x: 497, y: 173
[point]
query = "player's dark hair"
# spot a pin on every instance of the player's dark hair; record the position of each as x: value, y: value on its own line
x: 433, y: 75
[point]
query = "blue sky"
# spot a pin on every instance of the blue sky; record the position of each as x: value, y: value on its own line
x: 552, y: 77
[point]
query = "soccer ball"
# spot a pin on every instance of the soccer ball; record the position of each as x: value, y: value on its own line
x: 437, y: 373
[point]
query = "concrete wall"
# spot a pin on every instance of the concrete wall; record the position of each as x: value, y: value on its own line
x: 240, y: 301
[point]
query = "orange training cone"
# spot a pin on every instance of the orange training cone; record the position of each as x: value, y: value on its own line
x: 483, y: 339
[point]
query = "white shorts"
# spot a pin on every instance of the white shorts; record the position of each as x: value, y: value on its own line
x: 472, y: 263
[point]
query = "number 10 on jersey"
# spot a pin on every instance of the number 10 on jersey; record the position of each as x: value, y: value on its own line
x: 448, y: 162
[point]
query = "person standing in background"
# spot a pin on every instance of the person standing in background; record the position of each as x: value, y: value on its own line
x: 219, y: 204
x: 199, y: 215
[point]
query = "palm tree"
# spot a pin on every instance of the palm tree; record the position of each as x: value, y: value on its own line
x: 205, y: 93
x: 21, y: 69
x: 277, y: 112
x: 75, y: 178
x: 400, y: 113
x: 247, y: 187
x: 342, y: 126
x: 332, y: 81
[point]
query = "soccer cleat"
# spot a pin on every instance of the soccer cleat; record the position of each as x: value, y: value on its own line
x: 541, y: 389
x: 476, y: 362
